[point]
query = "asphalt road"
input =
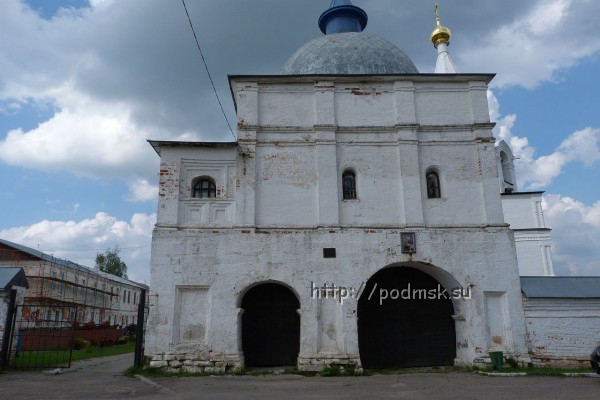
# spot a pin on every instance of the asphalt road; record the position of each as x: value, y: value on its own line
x: 103, y: 379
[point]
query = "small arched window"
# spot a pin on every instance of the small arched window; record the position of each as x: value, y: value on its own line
x: 204, y: 188
x: 349, y: 185
x: 433, y: 185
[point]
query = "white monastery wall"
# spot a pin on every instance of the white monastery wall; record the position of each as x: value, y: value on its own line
x: 218, y: 267
x: 562, y: 331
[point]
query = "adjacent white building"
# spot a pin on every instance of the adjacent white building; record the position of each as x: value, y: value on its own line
x: 525, y: 214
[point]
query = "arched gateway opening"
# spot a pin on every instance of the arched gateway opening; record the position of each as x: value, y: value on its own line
x: 405, y: 323
x: 270, y: 326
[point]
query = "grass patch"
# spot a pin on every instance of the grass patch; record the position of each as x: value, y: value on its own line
x: 58, y: 358
x: 338, y: 370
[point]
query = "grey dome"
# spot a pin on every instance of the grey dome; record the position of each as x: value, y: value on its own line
x: 349, y: 53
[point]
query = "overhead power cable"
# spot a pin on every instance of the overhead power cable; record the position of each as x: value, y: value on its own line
x: 207, y: 71
x: 75, y: 250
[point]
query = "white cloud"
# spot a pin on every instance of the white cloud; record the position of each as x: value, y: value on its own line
x: 142, y: 190
x: 109, y: 98
x: 575, y: 233
x: 551, y: 37
x: 98, y: 3
x: 582, y: 145
x: 117, y: 78
x: 539, y: 172
x: 79, y: 241
x: 83, y: 143
x: 536, y: 172
x: 89, y: 141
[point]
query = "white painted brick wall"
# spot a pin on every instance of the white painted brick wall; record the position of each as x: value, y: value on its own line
x: 563, y: 330
x: 296, y: 139
x: 228, y: 262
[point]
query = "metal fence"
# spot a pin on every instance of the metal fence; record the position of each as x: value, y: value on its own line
x: 42, y: 337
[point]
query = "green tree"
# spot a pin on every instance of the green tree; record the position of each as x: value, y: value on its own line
x: 111, y: 263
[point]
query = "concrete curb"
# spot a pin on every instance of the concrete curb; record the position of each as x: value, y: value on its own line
x: 506, y: 374
x: 150, y: 382
x: 513, y: 374
x: 80, y: 365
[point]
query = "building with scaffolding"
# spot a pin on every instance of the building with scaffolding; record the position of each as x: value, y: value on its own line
x: 91, y: 295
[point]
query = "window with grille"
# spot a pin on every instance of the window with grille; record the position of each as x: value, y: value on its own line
x: 433, y: 185
x: 349, y: 185
x: 204, y: 188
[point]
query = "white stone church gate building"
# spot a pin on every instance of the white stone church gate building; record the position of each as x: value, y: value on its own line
x: 351, y: 170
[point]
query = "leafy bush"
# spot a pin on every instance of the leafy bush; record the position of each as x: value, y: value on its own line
x: 104, y: 325
x: 106, y: 342
x: 122, y: 340
x: 130, y: 330
x: 338, y: 370
x: 512, y: 362
x: 79, y: 344
x: 88, y: 325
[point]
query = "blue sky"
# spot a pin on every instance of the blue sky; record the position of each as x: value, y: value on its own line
x: 83, y: 84
x: 549, y: 113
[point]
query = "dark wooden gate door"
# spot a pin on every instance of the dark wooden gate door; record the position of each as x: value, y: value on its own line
x: 406, y: 332
x: 270, y: 326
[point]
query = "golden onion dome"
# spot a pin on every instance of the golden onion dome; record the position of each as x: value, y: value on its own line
x: 440, y: 34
